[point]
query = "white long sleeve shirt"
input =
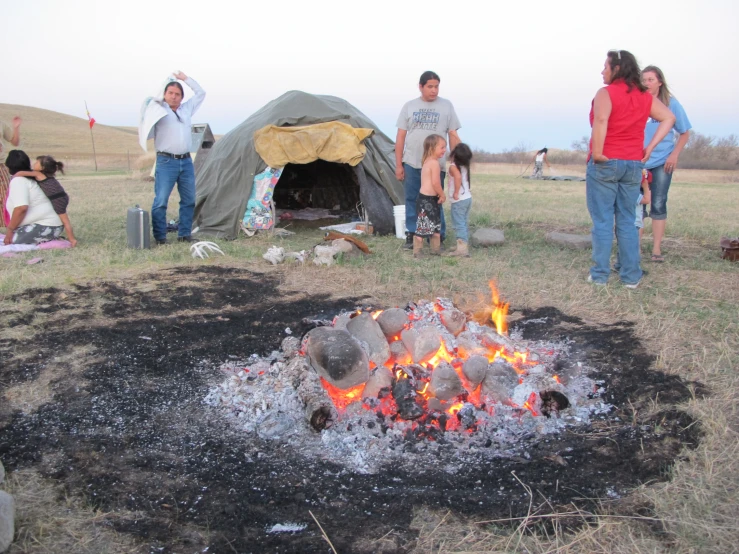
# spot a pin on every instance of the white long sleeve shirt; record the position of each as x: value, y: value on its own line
x: 173, y: 135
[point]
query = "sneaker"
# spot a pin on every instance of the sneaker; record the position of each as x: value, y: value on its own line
x: 408, y: 241
x: 185, y: 239
x: 590, y: 280
x: 644, y: 273
x: 160, y: 242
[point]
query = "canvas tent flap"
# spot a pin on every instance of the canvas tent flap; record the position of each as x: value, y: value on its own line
x: 332, y: 141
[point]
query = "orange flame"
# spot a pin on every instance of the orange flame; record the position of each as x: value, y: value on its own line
x: 441, y: 354
x: 376, y: 314
x: 455, y: 408
x: 556, y: 378
x: 500, y: 311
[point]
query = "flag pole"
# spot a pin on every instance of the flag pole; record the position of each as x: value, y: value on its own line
x: 94, y: 154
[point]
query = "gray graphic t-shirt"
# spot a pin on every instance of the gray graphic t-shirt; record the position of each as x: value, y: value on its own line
x: 422, y: 119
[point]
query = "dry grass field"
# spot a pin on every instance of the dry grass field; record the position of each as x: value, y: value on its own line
x: 67, y: 138
x: 686, y: 313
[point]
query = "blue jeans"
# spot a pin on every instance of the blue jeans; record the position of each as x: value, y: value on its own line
x: 460, y: 216
x: 168, y: 172
x: 612, y: 189
x: 412, y: 185
x: 660, y: 187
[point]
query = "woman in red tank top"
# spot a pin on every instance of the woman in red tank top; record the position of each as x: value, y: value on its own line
x: 618, y: 116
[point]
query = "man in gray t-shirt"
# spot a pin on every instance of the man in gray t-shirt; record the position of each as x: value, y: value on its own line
x: 427, y: 115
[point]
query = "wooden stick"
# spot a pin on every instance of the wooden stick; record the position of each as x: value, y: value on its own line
x: 325, y: 536
x: 94, y: 155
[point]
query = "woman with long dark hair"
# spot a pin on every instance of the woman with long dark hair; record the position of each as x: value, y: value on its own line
x: 539, y: 159
x: 664, y: 157
x: 32, y: 216
x: 618, y: 115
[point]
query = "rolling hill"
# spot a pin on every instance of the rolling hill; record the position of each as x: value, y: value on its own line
x: 58, y: 134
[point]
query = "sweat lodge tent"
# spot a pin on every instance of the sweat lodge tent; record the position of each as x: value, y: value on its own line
x: 324, y: 151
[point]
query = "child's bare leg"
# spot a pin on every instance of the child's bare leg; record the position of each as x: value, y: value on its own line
x: 68, y: 228
x: 417, y: 246
x: 436, y: 244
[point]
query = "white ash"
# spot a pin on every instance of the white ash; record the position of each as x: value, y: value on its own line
x: 287, y: 528
x: 262, y: 400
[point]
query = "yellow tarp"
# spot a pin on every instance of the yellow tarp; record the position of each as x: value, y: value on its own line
x: 333, y: 141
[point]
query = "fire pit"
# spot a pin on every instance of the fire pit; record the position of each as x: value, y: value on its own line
x: 371, y: 385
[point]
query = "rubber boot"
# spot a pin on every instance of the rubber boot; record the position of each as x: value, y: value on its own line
x: 408, y: 241
x: 462, y: 250
x: 435, y: 245
x: 417, y: 247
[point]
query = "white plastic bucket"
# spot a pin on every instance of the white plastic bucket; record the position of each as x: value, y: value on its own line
x: 399, y: 213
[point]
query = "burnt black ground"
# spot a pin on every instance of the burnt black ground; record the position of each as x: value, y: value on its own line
x: 130, y: 433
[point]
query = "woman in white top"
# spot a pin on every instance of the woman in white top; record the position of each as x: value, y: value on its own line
x: 32, y: 216
x: 539, y: 159
x: 460, y: 196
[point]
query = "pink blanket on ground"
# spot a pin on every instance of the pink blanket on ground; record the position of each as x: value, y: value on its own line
x: 10, y: 250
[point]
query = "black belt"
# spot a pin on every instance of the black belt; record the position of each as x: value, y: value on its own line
x: 175, y: 156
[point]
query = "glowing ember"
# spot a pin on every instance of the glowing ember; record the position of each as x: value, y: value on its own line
x: 529, y: 404
x: 409, y: 399
x: 340, y: 397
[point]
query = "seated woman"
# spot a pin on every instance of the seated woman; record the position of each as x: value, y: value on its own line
x: 32, y: 216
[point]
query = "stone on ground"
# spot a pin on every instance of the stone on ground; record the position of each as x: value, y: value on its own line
x: 422, y: 344
x: 365, y: 329
x: 337, y: 357
x: 454, y: 320
x: 380, y: 378
x: 475, y: 369
x: 399, y: 353
x: 445, y: 383
x: 392, y: 321
x: 487, y: 237
x: 500, y: 381
x: 576, y: 242
x: 7, y: 520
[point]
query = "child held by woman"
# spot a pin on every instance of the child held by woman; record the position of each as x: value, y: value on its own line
x: 430, y: 197
x: 44, y: 169
x: 461, y: 197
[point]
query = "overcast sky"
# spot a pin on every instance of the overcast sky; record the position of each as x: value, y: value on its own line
x: 521, y: 73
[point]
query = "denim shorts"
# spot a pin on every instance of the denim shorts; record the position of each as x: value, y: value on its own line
x: 660, y: 187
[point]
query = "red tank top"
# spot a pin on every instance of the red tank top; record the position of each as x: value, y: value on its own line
x: 629, y: 113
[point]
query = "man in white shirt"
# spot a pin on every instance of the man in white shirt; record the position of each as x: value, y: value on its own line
x: 172, y: 139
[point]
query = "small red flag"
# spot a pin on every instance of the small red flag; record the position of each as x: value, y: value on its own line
x: 92, y: 119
